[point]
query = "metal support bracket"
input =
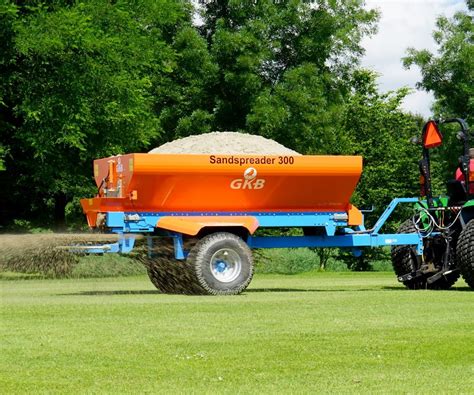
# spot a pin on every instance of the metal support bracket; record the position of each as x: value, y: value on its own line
x: 179, y: 252
x: 389, y: 210
x: 124, y: 245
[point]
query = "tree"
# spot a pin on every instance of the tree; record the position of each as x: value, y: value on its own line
x: 450, y: 74
x: 302, y: 112
x: 183, y: 98
x: 8, y: 13
x: 324, y: 254
x: 265, y: 48
x: 381, y: 133
x: 85, y: 83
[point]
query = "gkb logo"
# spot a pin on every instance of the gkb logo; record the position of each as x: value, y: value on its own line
x: 249, y: 181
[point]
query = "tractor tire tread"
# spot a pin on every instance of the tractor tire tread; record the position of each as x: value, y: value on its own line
x: 403, y: 262
x: 402, y: 256
x: 465, y: 253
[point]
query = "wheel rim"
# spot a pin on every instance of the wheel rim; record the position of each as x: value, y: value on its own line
x: 225, y: 265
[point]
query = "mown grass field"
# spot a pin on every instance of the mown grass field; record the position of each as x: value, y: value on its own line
x: 315, y: 332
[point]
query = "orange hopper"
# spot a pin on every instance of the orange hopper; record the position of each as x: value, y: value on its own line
x: 221, y: 184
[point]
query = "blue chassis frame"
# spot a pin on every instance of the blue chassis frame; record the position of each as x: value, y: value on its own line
x: 127, y: 225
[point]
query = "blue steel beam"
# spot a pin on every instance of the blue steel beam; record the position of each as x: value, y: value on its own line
x: 389, y: 210
x: 343, y: 241
x: 146, y: 222
x: 351, y: 240
x: 124, y: 245
x: 122, y: 222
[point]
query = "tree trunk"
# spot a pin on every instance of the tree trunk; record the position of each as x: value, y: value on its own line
x: 324, y: 254
x: 60, y: 201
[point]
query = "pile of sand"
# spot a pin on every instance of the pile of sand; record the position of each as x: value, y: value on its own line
x: 224, y: 143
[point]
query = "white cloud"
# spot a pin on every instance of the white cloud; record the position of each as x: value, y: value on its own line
x: 403, y: 24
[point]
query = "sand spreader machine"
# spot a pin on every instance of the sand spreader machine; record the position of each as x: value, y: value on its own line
x: 202, y: 214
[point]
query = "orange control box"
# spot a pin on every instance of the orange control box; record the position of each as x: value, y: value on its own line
x: 187, y: 183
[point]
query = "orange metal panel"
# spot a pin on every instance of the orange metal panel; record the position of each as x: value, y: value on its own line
x: 231, y: 183
x: 92, y: 207
x: 355, y: 216
x: 192, y: 225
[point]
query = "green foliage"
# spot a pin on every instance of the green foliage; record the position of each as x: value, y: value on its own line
x: 2, y: 155
x: 372, y: 259
x: 26, y: 226
x: 450, y: 74
x: 83, y: 81
x: 381, y: 133
x: 263, y: 47
x: 445, y: 159
x: 300, y: 113
x: 293, y: 261
x: 183, y: 98
x: 302, y: 260
x: 8, y: 14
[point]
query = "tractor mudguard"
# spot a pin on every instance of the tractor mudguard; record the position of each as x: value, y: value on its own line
x: 467, y: 213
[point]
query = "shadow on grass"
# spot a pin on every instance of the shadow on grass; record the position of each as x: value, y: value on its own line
x: 264, y: 290
x: 111, y: 293
x: 151, y: 292
x: 317, y: 289
x: 453, y: 289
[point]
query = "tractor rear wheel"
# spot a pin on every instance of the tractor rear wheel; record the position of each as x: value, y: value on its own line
x: 223, y: 263
x: 404, y: 261
x: 465, y: 253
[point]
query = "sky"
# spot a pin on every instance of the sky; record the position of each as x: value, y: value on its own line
x: 403, y: 24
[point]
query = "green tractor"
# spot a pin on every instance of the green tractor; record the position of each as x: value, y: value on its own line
x: 446, y: 223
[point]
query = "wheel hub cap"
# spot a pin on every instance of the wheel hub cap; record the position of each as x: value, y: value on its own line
x: 225, y: 265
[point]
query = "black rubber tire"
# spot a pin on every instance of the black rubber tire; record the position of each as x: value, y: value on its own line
x: 193, y: 275
x: 465, y: 253
x: 404, y: 261
x: 200, y: 258
x: 168, y: 274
